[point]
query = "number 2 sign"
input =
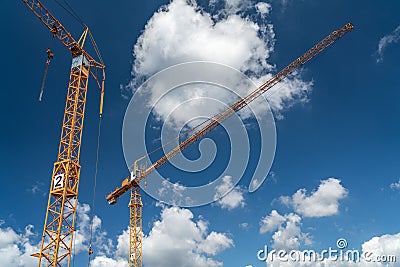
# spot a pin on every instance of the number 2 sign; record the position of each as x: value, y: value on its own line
x: 58, y: 181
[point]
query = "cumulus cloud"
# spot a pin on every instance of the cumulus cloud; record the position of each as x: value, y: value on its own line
x: 290, y: 235
x: 287, y: 234
x: 385, y: 41
x: 284, y: 95
x: 395, y: 185
x: 214, y: 243
x: 183, y: 32
x: 178, y: 240
x: 100, y: 242
x: 383, y: 245
x: 232, y: 6
x: 320, y: 203
x: 263, y: 8
x: 174, y: 190
x: 16, y: 247
x: 103, y: 261
x: 231, y: 200
x: 271, y: 222
x: 287, y: 230
x: 123, y: 244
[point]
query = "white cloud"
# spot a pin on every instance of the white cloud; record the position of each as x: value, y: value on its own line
x: 232, y: 6
x: 118, y: 256
x: 182, y: 32
x: 37, y: 188
x: 286, y: 94
x: 103, y: 261
x: 271, y: 222
x: 215, y: 243
x: 395, y: 185
x: 174, y: 240
x: 287, y: 230
x: 100, y: 242
x: 383, y: 245
x: 290, y: 236
x: 244, y: 225
x: 231, y: 200
x: 173, y: 190
x: 7, y: 236
x: 385, y: 41
x: 178, y: 240
x: 286, y: 200
x: 263, y: 8
x: 16, y: 248
x: 123, y: 244
x: 320, y: 203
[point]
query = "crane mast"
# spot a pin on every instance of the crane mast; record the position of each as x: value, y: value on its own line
x: 59, y: 226
x: 132, y: 183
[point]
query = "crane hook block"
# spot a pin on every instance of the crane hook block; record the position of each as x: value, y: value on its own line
x: 50, y: 55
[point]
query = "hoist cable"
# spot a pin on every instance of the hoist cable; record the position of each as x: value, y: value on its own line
x: 94, y: 188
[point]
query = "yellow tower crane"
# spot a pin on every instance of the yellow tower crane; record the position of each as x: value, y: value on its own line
x: 132, y: 183
x: 58, y: 231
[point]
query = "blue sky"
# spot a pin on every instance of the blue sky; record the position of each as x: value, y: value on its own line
x: 335, y: 172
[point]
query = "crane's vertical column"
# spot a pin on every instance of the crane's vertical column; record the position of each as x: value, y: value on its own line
x: 57, y: 239
x: 135, y: 228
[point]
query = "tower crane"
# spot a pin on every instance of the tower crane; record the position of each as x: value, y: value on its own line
x: 132, y: 183
x: 58, y: 231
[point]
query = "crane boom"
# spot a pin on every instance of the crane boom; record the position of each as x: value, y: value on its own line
x: 59, y: 226
x: 128, y: 183
x: 58, y: 30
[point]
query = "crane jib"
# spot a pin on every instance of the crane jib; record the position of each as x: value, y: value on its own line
x: 237, y: 106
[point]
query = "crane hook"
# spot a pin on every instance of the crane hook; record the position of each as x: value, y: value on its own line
x: 50, y: 55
